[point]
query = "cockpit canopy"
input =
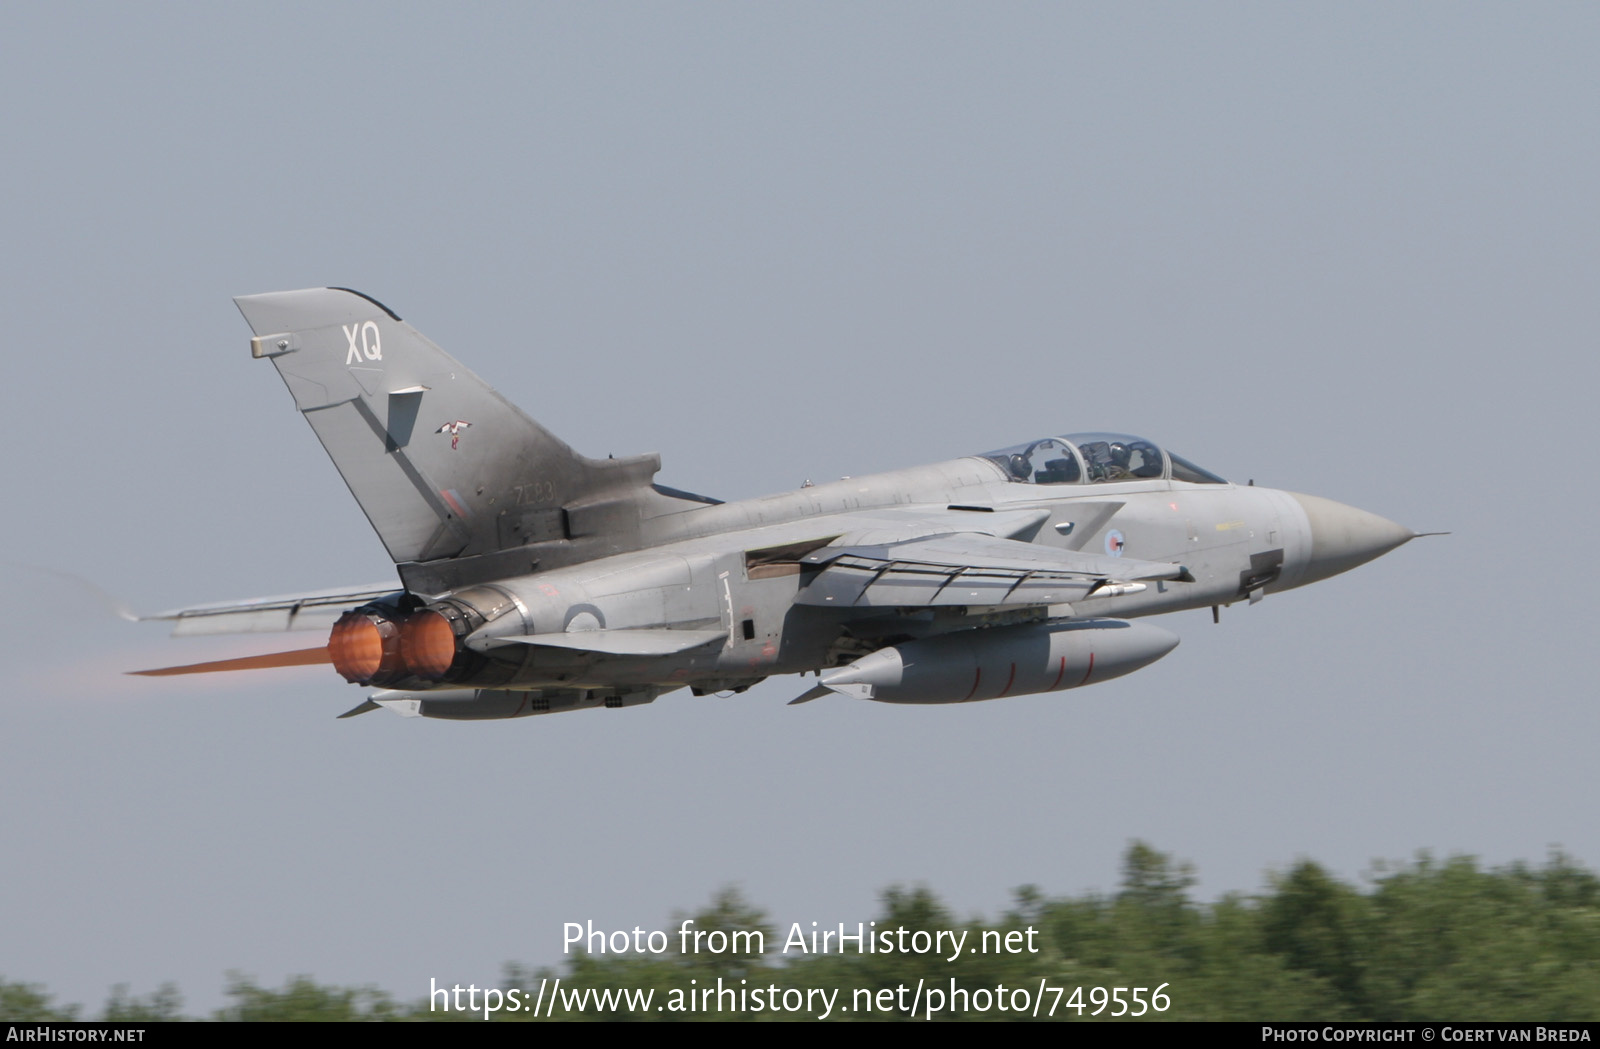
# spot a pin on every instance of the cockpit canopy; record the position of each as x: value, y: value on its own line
x: 1095, y: 458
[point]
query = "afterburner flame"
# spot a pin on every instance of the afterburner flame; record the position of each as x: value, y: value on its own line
x: 358, y: 645
x: 427, y: 645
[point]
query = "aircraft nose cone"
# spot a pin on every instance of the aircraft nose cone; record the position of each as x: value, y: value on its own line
x: 1343, y: 537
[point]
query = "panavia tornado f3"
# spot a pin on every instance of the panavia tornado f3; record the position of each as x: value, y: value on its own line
x: 535, y: 580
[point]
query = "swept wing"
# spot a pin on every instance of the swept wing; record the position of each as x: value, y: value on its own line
x: 969, y: 569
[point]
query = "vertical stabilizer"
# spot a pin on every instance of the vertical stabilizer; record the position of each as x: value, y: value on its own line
x: 442, y: 465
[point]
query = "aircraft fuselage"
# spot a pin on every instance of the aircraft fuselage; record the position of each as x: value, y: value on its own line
x: 1238, y: 542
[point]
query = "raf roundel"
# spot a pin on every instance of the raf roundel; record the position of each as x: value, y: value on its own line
x: 1115, y: 543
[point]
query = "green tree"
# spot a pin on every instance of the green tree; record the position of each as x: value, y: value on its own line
x: 1319, y: 927
x: 162, y: 1004
x: 303, y: 999
x: 29, y: 1002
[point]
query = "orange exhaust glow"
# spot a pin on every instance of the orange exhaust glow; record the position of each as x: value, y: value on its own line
x: 427, y: 645
x: 365, y: 647
x: 358, y: 644
x: 303, y: 657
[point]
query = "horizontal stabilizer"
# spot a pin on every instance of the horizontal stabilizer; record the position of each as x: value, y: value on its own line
x: 315, y: 610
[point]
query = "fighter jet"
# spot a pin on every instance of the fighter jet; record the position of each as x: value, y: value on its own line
x: 534, y: 580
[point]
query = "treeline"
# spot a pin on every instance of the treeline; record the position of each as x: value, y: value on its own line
x: 1426, y: 940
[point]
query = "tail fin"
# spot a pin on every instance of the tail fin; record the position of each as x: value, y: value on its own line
x: 442, y: 465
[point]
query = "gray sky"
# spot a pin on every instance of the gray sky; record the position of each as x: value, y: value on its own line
x: 1344, y: 249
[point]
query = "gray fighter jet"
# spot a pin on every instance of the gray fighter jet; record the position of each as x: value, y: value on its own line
x: 535, y: 580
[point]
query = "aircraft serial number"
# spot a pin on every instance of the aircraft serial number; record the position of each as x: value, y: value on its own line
x: 533, y: 492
